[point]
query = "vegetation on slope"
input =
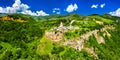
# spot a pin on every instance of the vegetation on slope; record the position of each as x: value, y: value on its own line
x: 19, y: 40
x: 27, y: 40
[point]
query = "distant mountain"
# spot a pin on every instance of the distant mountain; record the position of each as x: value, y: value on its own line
x: 2, y: 14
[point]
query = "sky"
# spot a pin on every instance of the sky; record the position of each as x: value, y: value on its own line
x: 48, y: 7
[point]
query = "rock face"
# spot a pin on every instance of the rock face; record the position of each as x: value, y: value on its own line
x: 99, y: 39
x: 91, y: 51
x: 78, y: 43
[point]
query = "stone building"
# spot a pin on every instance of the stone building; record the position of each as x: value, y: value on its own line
x: 56, y: 33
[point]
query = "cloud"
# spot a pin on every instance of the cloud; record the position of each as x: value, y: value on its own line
x: 94, y: 6
x: 16, y: 7
x: 37, y: 13
x: 29, y: 12
x: 71, y: 8
x: 102, y: 5
x: 42, y: 13
x: 19, y: 7
x: 115, y: 13
x: 56, y: 10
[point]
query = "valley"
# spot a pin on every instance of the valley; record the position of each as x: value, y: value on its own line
x: 59, y: 37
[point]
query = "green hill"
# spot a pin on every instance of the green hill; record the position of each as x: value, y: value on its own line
x: 60, y: 37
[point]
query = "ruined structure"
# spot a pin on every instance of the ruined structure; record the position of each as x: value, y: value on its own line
x: 55, y: 36
x: 56, y: 33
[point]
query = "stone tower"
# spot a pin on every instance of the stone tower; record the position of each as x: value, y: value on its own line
x: 71, y: 27
x: 61, y: 24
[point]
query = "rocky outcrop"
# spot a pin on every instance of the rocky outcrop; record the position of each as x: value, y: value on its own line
x: 78, y: 43
x: 91, y: 51
x: 99, y: 39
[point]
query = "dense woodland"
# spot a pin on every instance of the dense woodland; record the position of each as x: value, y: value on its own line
x: 26, y: 40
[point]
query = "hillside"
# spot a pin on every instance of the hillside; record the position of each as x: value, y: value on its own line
x: 59, y: 37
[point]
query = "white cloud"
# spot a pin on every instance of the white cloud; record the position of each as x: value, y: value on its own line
x: 29, y: 12
x: 16, y: 7
x: 1, y: 9
x: 75, y: 7
x: 71, y: 8
x: 56, y: 10
x: 102, y: 5
x: 37, y: 13
x: 94, y: 6
x: 42, y: 13
x: 115, y: 13
x: 19, y: 7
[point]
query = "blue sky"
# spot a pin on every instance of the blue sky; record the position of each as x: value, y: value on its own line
x: 47, y: 7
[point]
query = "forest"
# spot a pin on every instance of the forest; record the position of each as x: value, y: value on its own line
x: 24, y: 37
